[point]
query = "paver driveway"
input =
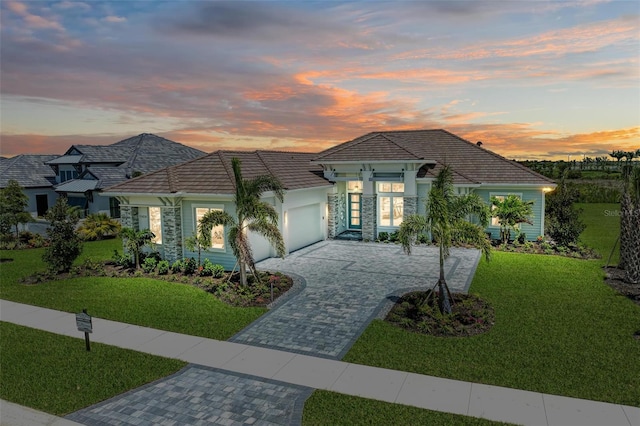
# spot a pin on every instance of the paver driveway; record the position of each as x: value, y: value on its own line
x: 346, y: 285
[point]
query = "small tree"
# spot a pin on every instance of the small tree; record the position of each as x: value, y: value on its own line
x: 511, y: 211
x: 197, y: 242
x: 252, y: 214
x: 562, y: 218
x: 96, y: 226
x: 13, y: 202
x: 446, y: 219
x: 65, y: 243
x: 134, y: 241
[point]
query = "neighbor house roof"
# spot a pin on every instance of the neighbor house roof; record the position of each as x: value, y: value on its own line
x: 142, y: 153
x: 30, y: 171
x: 213, y: 174
x: 77, y: 185
x: 471, y: 163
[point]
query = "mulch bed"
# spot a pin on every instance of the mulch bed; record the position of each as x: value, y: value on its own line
x: 615, y: 280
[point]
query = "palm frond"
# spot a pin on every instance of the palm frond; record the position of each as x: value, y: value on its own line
x: 209, y: 220
x: 410, y: 228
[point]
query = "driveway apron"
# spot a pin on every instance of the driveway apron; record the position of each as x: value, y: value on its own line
x: 345, y: 284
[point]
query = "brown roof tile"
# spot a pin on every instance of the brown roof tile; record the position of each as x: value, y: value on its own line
x: 212, y: 174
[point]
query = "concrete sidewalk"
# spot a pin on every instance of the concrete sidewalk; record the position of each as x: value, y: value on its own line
x: 434, y: 393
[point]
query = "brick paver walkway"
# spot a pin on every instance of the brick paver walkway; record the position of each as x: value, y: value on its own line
x: 199, y: 395
x: 346, y: 284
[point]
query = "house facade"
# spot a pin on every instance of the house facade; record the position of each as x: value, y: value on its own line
x: 367, y: 185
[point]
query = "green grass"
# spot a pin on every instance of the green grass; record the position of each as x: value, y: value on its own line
x: 141, y: 301
x: 603, y: 228
x: 328, y: 408
x: 559, y: 330
x: 56, y: 374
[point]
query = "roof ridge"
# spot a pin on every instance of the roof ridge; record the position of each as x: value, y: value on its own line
x: 343, y: 146
x: 400, y: 143
x: 134, y: 153
x: 266, y: 166
x: 495, y: 154
x: 172, y: 179
x: 232, y: 177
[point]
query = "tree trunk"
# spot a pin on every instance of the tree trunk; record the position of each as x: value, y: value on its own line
x: 626, y: 210
x: 632, y: 258
x: 443, y: 292
x: 243, y: 272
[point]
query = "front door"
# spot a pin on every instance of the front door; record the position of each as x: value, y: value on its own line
x: 355, y: 202
x: 42, y: 204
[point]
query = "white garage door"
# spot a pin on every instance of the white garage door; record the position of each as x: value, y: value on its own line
x: 304, y: 226
x: 260, y: 246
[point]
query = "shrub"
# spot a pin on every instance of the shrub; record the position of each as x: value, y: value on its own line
x: 163, y: 267
x: 562, y: 222
x: 189, y: 266
x: 383, y: 236
x: 217, y: 271
x: 177, y: 266
x: 423, y: 239
x: 149, y: 264
x: 97, y: 226
x: 122, y: 260
x: 65, y: 245
x: 205, y: 269
x: 393, y: 237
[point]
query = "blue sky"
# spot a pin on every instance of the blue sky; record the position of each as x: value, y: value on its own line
x: 531, y: 79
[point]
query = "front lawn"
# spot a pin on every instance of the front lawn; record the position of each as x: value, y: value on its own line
x: 141, y: 301
x: 558, y: 330
x: 603, y: 227
x: 56, y: 374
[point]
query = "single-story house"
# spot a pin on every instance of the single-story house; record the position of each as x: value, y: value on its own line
x: 368, y: 184
x: 85, y: 170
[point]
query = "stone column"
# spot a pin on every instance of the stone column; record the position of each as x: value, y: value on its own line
x: 172, y: 233
x: 410, y: 206
x: 333, y: 220
x: 126, y: 216
x: 369, y: 217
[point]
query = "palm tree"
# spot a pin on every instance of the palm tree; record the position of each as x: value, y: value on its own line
x: 511, y: 211
x: 252, y: 214
x: 134, y: 241
x: 630, y: 225
x: 446, y: 219
x: 96, y: 226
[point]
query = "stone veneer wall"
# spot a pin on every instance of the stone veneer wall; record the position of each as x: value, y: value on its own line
x: 410, y: 206
x: 333, y: 220
x: 172, y: 233
x: 129, y: 217
x: 369, y: 222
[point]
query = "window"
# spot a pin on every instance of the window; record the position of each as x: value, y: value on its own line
x: 114, y: 207
x: 391, y: 202
x: 155, y: 223
x: 217, y: 232
x: 390, y: 187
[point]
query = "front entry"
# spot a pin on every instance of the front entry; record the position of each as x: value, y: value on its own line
x: 42, y: 204
x: 355, y: 203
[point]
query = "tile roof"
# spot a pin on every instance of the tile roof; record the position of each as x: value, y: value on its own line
x: 212, y: 174
x: 30, y: 171
x: 470, y: 162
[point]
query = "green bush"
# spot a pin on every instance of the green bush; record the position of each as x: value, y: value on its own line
x: 189, y: 266
x: 177, y: 266
x: 65, y: 244
x: 122, y: 260
x: 423, y: 239
x: 383, y: 236
x: 217, y: 271
x: 393, y: 237
x: 149, y: 264
x: 163, y: 267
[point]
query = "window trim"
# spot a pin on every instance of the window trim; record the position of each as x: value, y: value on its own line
x: 194, y: 207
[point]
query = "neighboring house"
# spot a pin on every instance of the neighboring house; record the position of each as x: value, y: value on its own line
x: 368, y: 185
x: 85, y: 170
x: 37, y: 179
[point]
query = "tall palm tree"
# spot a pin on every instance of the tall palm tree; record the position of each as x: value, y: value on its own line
x: 134, y: 241
x: 630, y: 225
x: 252, y: 214
x: 446, y: 219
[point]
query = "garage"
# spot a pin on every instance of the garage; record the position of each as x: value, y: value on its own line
x: 304, y: 226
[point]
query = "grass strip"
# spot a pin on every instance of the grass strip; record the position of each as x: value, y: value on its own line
x: 324, y: 407
x: 56, y: 374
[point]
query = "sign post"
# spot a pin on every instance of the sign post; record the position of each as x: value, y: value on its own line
x: 83, y: 322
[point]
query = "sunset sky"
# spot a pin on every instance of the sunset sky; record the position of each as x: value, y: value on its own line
x: 531, y: 79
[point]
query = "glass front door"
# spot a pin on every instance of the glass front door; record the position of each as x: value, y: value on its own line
x: 355, y: 202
